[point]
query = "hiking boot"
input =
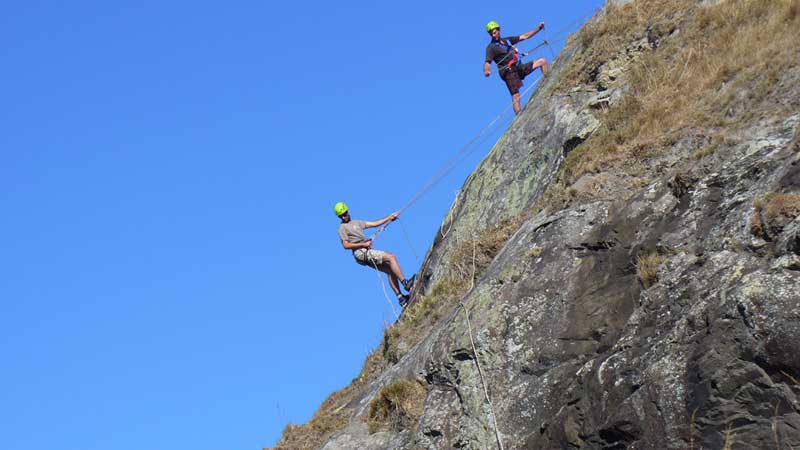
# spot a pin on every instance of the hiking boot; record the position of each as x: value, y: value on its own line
x: 403, y: 299
x: 409, y: 283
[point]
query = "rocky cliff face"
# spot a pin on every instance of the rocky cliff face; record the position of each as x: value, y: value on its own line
x: 647, y: 292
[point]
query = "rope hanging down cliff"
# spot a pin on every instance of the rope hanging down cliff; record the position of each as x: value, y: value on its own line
x: 483, y: 379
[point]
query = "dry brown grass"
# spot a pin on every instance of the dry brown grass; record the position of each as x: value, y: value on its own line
x: 328, y: 419
x: 557, y: 196
x: 725, y: 62
x: 793, y: 379
x: 554, y: 198
x: 465, y: 265
x: 728, y: 443
x: 535, y: 252
x: 603, y: 39
x: 647, y: 267
x: 774, y: 205
x: 473, y: 256
x: 419, y: 317
x: 772, y: 212
x: 681, y: 183
x: 714, y: 144
x: 333, y: 415
x: 776, y: 434
x: 757, y: 225
x: 397, y: 407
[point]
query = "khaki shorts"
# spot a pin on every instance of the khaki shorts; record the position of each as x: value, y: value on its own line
x: 369, y: 257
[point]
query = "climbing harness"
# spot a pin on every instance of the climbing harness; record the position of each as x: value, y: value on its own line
x: 517, y: 56
x: 510, y: 50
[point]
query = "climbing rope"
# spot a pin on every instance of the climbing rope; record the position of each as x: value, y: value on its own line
x: 383, y: 286
x: 408, y: 240
x: 453, y: 162
x: 483, y: 379
x: 380, y: 230
x: 479, y: 138
x: 541, y: 44
x: 552, y: 53
x: 444, y: 234
x: 515, y: 52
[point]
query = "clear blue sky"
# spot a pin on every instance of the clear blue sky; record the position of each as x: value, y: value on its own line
x: 171, y: 275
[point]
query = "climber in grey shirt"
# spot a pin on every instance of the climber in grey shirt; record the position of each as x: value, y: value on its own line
x: 351, y: 233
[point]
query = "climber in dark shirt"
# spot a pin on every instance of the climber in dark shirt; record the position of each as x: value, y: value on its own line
x: 501, y: 50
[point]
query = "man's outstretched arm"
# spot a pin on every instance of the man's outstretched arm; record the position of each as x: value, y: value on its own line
x: 531, y: 33
x: 380, y: 222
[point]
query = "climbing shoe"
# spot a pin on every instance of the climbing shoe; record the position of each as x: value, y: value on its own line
x: 409, y: 283
x: 403, y: 299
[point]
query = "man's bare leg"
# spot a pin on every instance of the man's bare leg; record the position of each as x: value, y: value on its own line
x: 541, y: 62
x: 395, y: 266
x: 393, y: 281
x: 393, y: 270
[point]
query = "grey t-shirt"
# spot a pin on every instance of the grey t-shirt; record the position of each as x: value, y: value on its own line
x: 353, y: 231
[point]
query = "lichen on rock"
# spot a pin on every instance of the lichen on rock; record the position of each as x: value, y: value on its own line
x: 640, y: 281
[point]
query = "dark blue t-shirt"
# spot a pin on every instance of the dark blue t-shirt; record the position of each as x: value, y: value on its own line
x: 501, y: 52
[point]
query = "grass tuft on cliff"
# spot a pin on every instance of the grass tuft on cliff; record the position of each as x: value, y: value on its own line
x: 773, y: 211
x: 397, y: 407
x: 647, y: 268
x: 775, y: 205
x: 334, y: 413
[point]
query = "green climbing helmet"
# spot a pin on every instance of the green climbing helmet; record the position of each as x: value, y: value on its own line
x: 340, y: 208
x: 491, y: 26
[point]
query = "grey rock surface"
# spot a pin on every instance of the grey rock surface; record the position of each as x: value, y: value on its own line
x: 577, y: 350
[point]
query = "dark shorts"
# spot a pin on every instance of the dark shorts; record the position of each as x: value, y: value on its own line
x: 514, y: 77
